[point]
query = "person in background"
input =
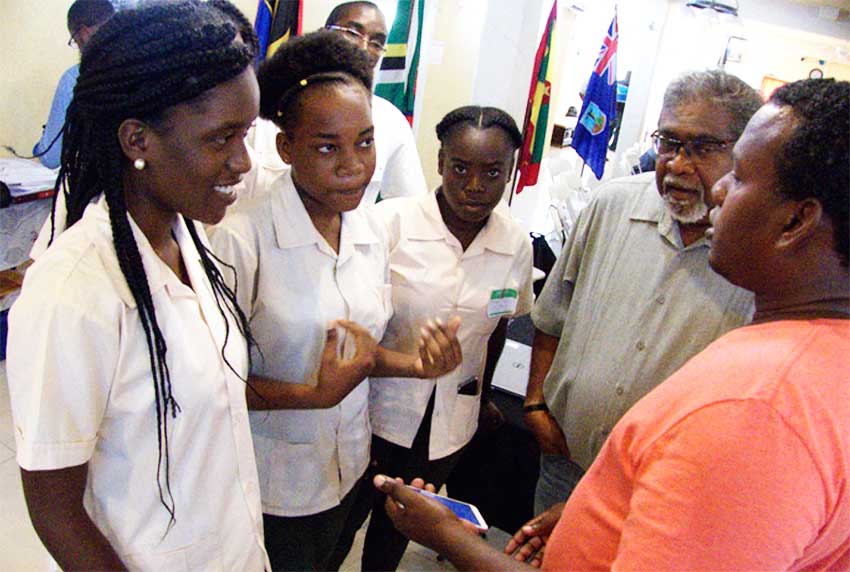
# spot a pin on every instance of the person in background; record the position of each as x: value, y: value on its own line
x: 305, y: 257
x: 398, y: 170
x: 631, y: 297
x: 127, y: 356
x: 739, y: 461
x: 84, y: 18
x: 455, y: 251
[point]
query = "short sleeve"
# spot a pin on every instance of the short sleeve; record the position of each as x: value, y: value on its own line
x: 62, y: 356
x: 727, y: 479
x: 550, y: 310
x: 237, y: 248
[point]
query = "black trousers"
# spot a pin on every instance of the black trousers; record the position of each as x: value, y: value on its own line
x: 310, y: 542
x: 384, y: 546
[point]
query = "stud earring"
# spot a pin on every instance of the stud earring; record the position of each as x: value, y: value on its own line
x: 139, y: 164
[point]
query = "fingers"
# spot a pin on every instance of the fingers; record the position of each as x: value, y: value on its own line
x: 365, y: 346
x: 419, y: 483
x: 331, y: 338
x: 439, y: 347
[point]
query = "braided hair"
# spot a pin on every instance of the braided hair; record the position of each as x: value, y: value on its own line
x: 139, y: 64
x: 480, y: 118
x: 318, y: 58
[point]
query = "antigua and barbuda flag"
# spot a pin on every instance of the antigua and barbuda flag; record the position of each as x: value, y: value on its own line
x: 537, y: 109
x: 599, y: 109
x: 276, y: 22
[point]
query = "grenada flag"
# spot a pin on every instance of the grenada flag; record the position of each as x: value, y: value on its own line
x: 537, y: 110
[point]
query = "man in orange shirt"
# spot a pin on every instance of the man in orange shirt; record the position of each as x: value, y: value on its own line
x: 740, y: 459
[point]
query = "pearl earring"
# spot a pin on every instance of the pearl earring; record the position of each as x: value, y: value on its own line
x: 139, y: 164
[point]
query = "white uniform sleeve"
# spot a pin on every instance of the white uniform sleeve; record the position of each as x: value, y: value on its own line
x: 62, y: 358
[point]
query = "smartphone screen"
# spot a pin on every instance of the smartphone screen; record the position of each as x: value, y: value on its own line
x: 461, y: 509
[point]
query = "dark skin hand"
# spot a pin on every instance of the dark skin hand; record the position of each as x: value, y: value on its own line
x: 439, y: 353
x: 55, y: 502
x: 549, y: 435
x: 433, y: 525
x: 529, y: 542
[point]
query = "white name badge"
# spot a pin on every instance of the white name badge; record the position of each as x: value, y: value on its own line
x: 502, y: 303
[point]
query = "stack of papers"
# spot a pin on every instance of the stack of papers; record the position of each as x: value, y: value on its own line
x: 25, y: 177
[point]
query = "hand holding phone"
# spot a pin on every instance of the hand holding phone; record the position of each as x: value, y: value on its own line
x: 463, y: 510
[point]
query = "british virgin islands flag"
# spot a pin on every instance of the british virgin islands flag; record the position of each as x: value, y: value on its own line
x: 599, y: 109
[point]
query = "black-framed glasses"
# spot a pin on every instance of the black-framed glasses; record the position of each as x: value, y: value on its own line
x: 696, y: 149
x: 356, y: 36
x: 72, y: 41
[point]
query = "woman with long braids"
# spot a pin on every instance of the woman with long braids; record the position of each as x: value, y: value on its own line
x: 312, y: 268
x: 127, y: 354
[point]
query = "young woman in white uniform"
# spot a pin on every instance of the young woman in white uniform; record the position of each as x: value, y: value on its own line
x: 304, y: 259
x: 127, y: 356
x: 457, y: 252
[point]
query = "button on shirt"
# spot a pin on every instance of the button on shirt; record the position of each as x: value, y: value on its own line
x: 291, y: 284
x: 398, y: 170
x: 630, y: 304
x: 82, y: 392
x: 433, y: 277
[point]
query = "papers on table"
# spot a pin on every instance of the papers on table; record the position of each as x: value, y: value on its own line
x: 25, y: 177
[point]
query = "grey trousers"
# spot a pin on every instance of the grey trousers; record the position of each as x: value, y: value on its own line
x: 558, y: 478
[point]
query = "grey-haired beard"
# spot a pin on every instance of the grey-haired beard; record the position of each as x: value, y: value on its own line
x: 692, y: 214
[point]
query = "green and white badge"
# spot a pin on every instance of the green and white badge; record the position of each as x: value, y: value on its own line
x: 502, y: 303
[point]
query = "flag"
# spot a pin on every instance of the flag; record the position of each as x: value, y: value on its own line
x: 537, y: 109
x: 276, y: 22
x: 599, y: 110
x: 396, y: 79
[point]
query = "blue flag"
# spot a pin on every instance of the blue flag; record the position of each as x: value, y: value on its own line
x: 276, y: 22
x: 599, y: 110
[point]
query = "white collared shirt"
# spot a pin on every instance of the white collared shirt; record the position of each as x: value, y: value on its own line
x: 82, y: 392
x: 398, y: 170
x: 433, y: 276
x: 291, y: 284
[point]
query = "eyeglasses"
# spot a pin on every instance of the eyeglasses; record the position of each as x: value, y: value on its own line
x: 375, y: 46
x: 72, y: 41
x: 695, y: 149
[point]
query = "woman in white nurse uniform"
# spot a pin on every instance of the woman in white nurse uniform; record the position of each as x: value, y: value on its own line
x: 456, y: 251
x: 127, y: 359
x: 305, y: 257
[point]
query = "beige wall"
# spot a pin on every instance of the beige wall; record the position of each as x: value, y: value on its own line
x: 33, y: 39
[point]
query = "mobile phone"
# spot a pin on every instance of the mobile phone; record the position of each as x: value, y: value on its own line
x: 464, y: 510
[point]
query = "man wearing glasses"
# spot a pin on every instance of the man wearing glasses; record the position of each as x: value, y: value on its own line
x: 632, y: 297
x: 84, y: 18
x: 398, y: 169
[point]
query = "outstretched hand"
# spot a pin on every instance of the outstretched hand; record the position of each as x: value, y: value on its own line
x: 529, y: 542
x: 339, y: 376
x: 439, y: 349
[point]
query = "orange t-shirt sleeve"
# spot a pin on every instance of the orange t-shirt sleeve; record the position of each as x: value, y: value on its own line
x: 731, y: 486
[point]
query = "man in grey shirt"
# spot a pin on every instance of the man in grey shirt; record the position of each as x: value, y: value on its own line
x: 632, y: 297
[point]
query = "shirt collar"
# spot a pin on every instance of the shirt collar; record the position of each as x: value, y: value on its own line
x: 157, y: 272
x: 650, y: 208
x: 293, y: 227
x: 495, y: 235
